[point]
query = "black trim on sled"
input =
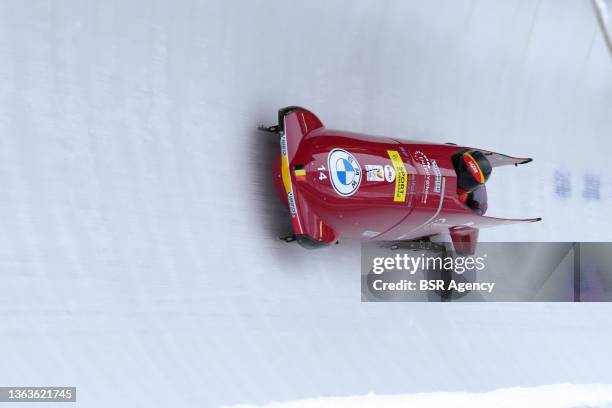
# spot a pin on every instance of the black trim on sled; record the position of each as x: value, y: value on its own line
x: 285, y: 111
x: 306, y: 242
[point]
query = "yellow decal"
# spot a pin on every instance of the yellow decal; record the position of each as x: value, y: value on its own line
x: 285, y: 164
x: 401, y: 178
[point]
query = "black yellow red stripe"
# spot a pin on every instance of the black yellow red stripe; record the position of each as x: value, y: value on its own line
x: 474, y: 168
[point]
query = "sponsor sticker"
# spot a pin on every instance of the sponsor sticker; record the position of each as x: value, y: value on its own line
x: 292, y: 206
x: 389, y: 173
x: 427, y: 167
x: 344, y: 172
x: 401, y: 179
x: 374, y: 172
x: 438, y: 175
x: 283, y: 144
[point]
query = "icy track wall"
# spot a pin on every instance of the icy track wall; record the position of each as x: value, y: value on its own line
x: 138, y: 258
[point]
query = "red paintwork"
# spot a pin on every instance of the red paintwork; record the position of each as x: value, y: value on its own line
x: 431, y: 204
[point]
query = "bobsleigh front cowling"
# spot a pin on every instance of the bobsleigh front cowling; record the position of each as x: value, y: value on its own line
x: 344, y: 184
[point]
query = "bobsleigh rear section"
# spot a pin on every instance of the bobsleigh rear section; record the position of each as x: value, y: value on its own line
x: 294, y: 123
x: 344, y: 184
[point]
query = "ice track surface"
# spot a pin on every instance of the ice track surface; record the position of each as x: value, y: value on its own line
x: 138, y: 258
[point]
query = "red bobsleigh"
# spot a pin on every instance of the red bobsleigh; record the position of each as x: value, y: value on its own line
x: 339, y: 184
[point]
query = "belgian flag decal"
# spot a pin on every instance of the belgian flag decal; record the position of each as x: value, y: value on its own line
x: 299, y: 172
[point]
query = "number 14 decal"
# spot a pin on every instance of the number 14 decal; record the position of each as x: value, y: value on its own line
x: 322, y: 175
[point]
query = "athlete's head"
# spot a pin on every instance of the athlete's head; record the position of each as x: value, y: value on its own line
x: 473, y: 170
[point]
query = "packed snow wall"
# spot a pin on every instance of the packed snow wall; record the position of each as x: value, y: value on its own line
x: 138, y: 222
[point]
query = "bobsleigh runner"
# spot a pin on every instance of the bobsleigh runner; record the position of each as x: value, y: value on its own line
x: 339, y: 184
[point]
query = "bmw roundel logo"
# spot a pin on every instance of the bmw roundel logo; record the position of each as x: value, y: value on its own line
x: 344, y: 172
